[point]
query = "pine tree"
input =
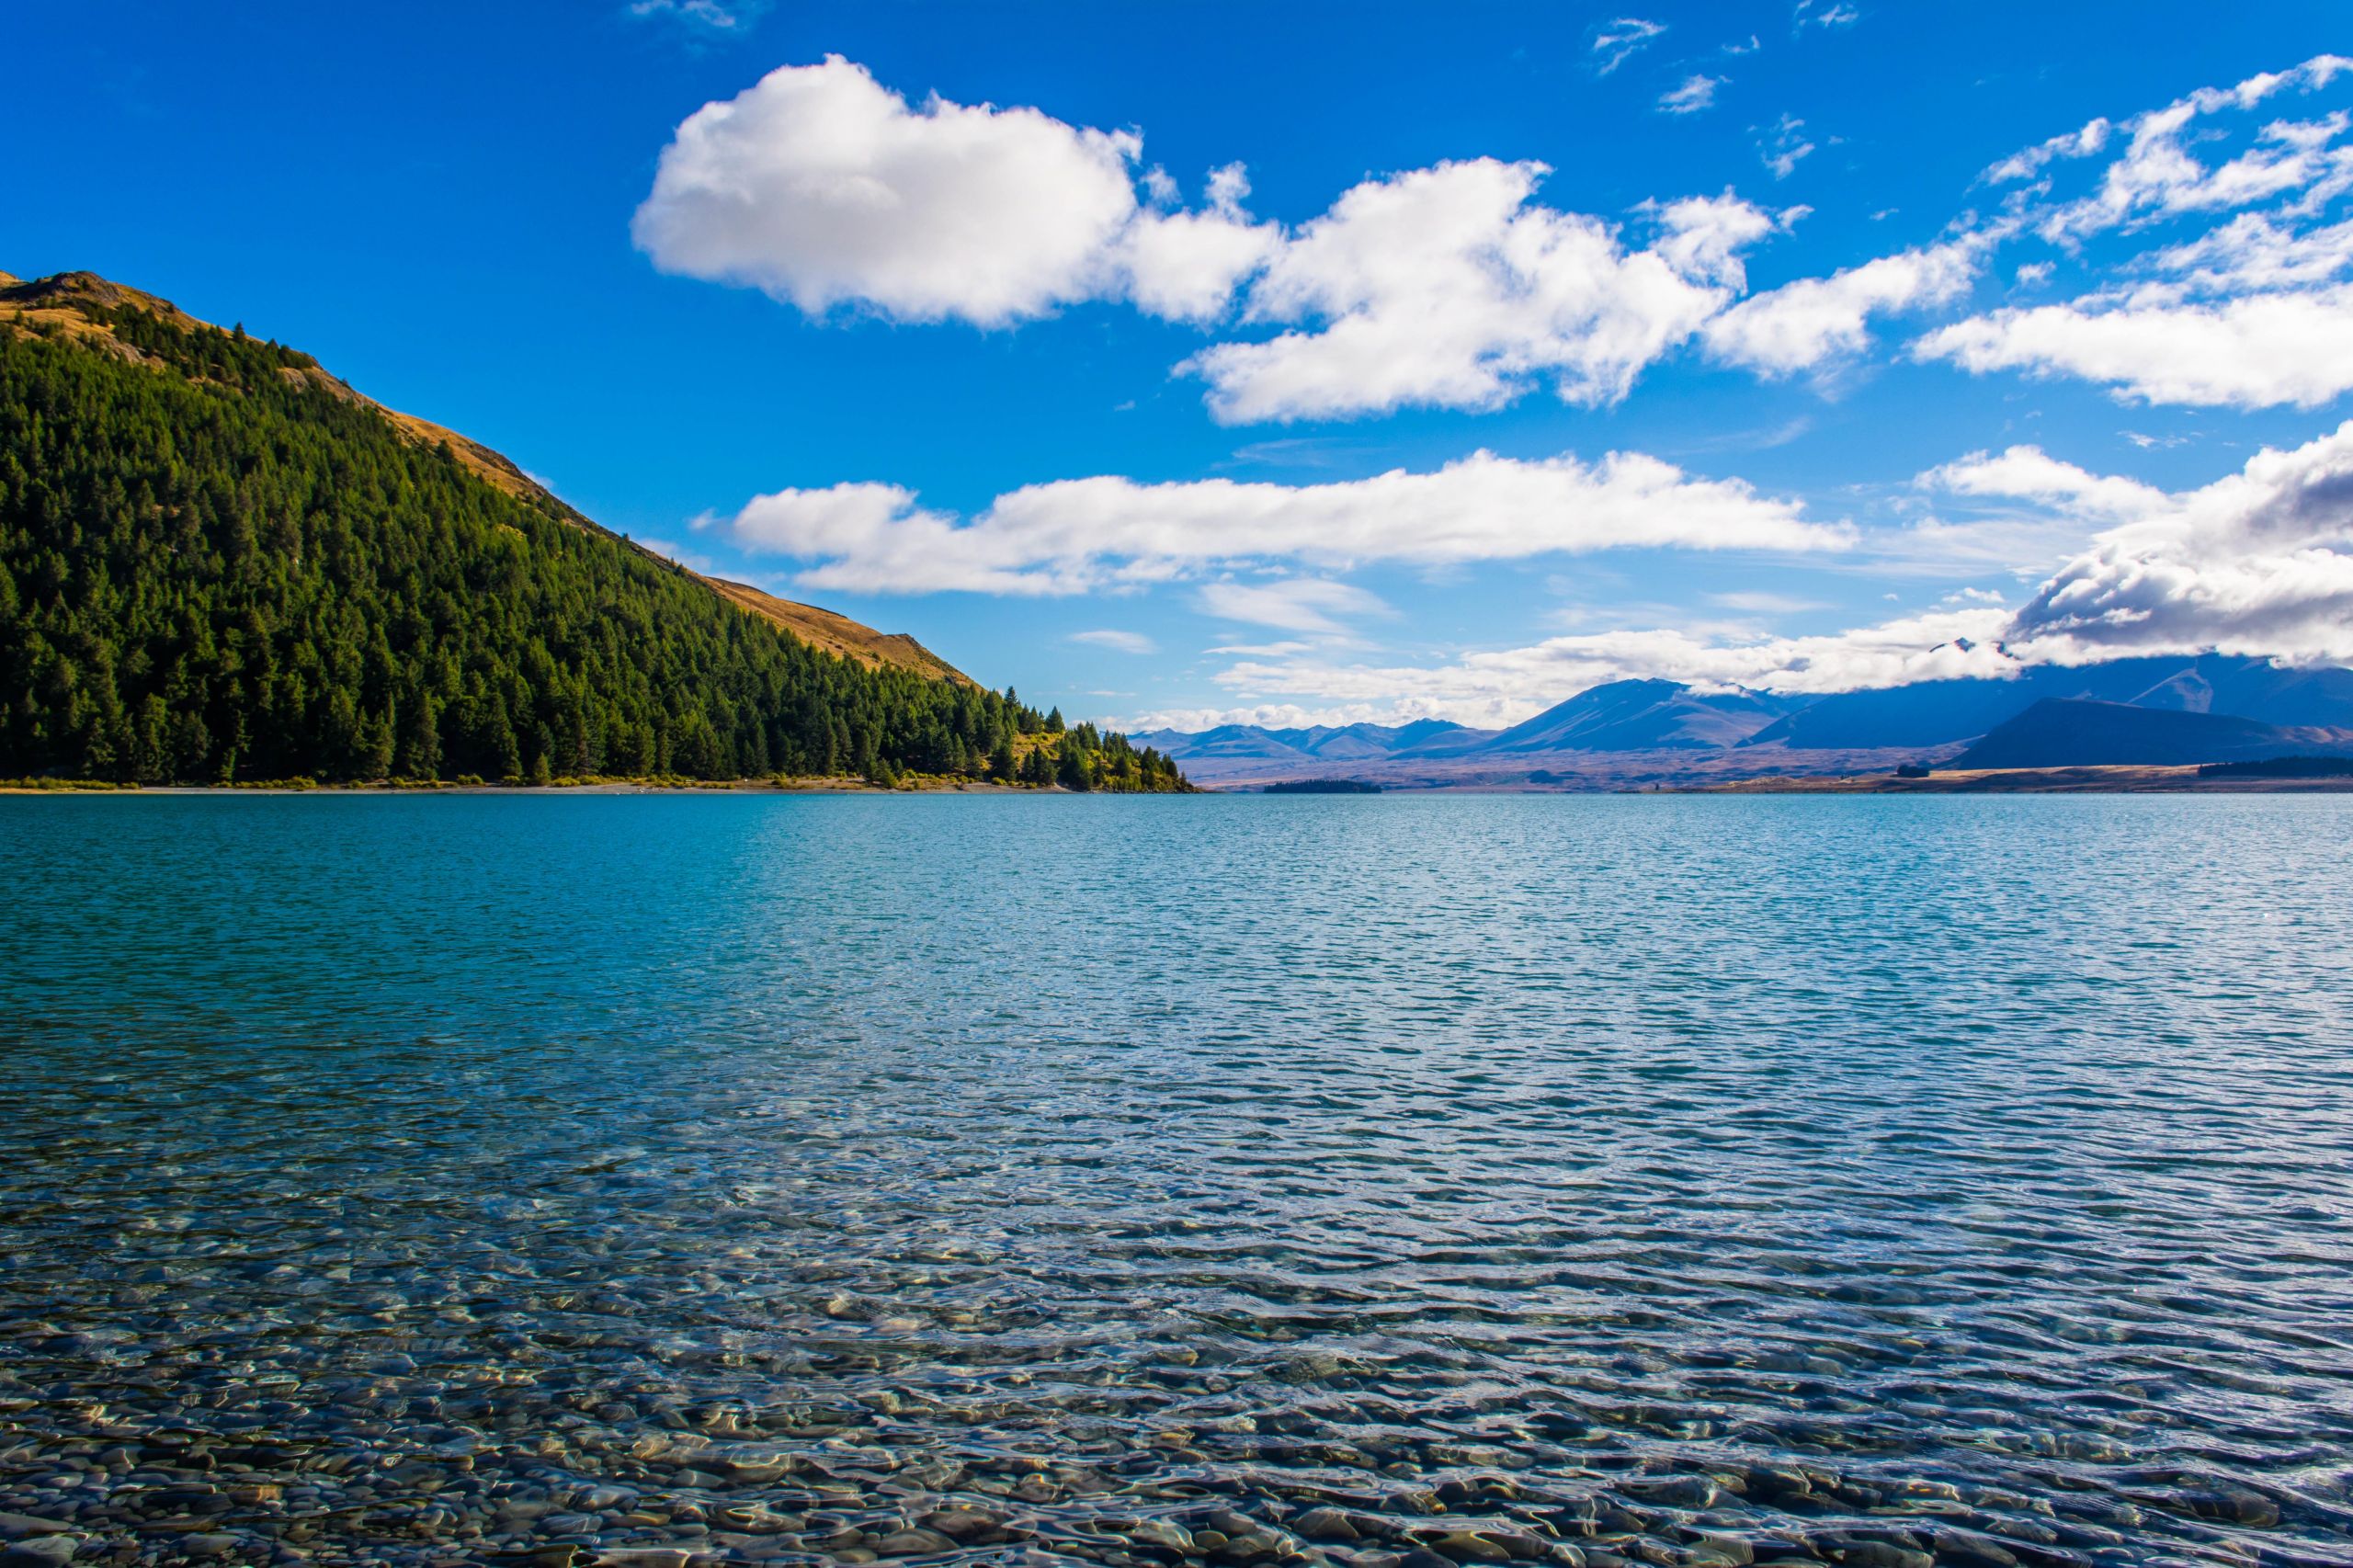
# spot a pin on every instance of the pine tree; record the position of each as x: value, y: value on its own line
x: 1075, y: 770
x: 375, y: 757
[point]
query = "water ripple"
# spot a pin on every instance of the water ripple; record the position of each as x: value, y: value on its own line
x: 1383, y: 1183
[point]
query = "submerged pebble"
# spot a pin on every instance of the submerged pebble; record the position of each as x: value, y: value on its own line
x: 801, y: 1213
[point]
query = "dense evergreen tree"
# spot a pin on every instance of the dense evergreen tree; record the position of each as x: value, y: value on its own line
x: 1074, y: 768
x: 216, y: 564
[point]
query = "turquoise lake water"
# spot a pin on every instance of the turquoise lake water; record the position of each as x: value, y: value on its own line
x: 1382, y: 1181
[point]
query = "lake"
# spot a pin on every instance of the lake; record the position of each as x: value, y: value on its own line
x: 1390, y: 1182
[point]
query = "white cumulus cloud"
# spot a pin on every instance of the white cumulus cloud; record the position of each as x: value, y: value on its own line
x: 1186, y: 266
x: 1074, y: 535
x: 1451, y: 287
x: 822, y: 186
x: 2258, y: 351
x: 2030, y: 474
x: 1800, y: 325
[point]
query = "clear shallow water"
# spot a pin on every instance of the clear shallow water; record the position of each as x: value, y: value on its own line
x: 1371, y: 1181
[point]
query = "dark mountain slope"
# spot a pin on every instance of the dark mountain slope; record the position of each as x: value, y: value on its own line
x: 218, y: 562
x: 1938, y: 712
x: 2062, y: 733
x: 1935, y: 713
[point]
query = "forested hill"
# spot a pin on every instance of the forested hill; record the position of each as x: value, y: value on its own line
x: 218, y: 563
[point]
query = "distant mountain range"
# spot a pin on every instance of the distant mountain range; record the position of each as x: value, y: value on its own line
x: 1352, y: 742
x: 2213, y: 708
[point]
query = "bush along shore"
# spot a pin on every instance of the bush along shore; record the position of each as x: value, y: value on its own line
x: 1063, y: 762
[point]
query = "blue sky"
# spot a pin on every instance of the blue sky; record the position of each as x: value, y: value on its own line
x: 1782, y: 377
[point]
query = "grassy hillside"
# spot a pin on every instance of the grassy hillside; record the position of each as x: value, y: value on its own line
x: 217, y: 562
x: 839, y: 634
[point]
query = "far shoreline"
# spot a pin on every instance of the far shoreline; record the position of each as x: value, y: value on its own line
x: 2103, y: 780
x: 2115, y: 779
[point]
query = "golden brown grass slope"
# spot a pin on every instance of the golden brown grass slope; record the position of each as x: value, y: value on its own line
x: 65, y: 300
x: 837, y: 633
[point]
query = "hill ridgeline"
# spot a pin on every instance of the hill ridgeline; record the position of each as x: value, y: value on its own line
x: 218, y: 563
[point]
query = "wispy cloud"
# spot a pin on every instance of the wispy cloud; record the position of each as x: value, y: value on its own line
x: 1756, y: 603
x: 2255, y: 312
x: 1117, y: 641
x: 1783, y: 145
x: 1836, y: 14
x: 1697, y: 92
x: 671, y: 549
x: 704, y: 15
x: 1289, y: 604
x: 1614, y: 43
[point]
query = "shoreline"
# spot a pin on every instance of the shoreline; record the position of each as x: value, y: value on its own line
x: 2106, y: 779
x: 818, y: 786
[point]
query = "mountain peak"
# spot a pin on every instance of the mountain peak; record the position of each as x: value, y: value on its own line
x: 1644, y: 714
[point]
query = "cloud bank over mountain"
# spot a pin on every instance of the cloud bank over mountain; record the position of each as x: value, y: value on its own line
x: 2259, y: 563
